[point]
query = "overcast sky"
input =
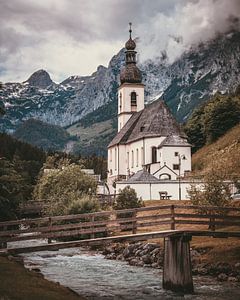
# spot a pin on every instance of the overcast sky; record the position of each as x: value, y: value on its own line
x: 73, y: 37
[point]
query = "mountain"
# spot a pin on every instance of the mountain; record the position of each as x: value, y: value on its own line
x: 40, y: 79
x: 87, y: 100
x: 58, y: 104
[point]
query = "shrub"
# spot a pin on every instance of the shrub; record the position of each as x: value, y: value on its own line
x: 214, y: 192
x: 127, y: 198
x: 66, y: 190
x: 85, y: 204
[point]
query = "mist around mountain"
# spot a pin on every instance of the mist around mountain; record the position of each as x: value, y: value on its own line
x: 80, y: 104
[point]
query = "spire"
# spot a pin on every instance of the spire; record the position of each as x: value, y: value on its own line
x: 130, y: 30
x: 130, y: 44
x: 131, y: 73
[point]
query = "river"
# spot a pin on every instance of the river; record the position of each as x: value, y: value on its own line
x: 91, y: 275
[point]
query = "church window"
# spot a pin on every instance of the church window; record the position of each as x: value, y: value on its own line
x: 154, y: 155
x: 133, y: 99
x: 110, y: 154
x: 175, y: 153
x: 175, y: 166
x: 128, y: 160
x: 115, y: 159
x: 142, y: 128
x: 142, y: 161
x: 165, y: 176
x: 110, y: 172
x: 137, y: 158
x: 132, y: 159
x: 120, y: 102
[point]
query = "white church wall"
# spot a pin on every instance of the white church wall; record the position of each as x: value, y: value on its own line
x: 169, y: 156
x: 113, y: 163
x: 122, y: 160
x: 150, y: 191
x: 165, y: 173
x: 149, y: 143
x: 122, y: 120
x: 134, y: 152
x: 140, y: 153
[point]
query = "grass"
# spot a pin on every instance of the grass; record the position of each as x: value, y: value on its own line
x: 18, y: 283
x: 224, y: 153
x: 218, y: 250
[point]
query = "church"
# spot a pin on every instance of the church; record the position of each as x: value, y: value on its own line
x: 150, y: 146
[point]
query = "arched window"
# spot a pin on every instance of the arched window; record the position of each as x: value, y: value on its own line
x: 137, y: 158
x: 142, y: 158
x: 120, y: 102
x: 165, y: 176
x: 154, y: 155
x: 132, y: 159
x: 110, y: 154
x: 115, y: 158
x: 133, y: 99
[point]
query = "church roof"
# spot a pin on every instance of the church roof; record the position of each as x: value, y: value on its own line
x: 153, y: 121
x: 174, y: 140
x: 141, y: 176
x: 130, y: 74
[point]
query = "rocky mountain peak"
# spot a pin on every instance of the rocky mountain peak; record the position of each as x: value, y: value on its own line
x: 40, y: 79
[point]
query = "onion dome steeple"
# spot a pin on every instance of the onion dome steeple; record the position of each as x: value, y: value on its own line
x: 130, y: 73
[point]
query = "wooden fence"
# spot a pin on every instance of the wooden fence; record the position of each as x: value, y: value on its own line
x: 109, y: 223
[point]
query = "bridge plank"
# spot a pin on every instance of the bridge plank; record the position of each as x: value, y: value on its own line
x: 96, y: 241
x: 123, y: 238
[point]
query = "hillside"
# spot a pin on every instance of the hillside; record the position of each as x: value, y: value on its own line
x: 212, y: 119
x: 43, y: 135
x: 224, y: 153
x: 92, y: 139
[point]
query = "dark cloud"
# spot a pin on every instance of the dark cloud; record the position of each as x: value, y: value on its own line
x: 30, y: 29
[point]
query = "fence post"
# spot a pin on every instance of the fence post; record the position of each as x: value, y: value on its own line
x: 134, y: 222
x: 212, y: 225
x: 50, y: 229
x: 172, y: 218
x: 92, y: 219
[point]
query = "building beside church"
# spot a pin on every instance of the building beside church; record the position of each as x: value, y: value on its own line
x: 150, y: 143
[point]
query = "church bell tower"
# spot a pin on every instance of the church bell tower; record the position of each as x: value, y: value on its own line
x: 131, y: 90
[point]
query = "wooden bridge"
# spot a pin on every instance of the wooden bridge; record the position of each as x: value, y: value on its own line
x: 173, y: 223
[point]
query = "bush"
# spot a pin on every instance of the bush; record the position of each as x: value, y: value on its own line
x: 66, y: 190
x: 214, y: 192
x: 127, y: 198
x: 86, y: 204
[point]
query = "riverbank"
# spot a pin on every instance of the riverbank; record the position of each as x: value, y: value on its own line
x: 16, y: 282
x: 211, y: 257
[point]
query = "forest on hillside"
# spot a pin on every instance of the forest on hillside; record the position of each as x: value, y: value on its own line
x: 21, y: 167
x: 213, y: 119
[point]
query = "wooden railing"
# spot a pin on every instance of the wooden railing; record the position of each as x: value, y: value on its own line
x: 108, y: 223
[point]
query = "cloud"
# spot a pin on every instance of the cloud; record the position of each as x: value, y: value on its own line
x: 187, y: 25
x: 69, y: 37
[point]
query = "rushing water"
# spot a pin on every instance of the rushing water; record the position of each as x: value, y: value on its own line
x: 96, y: 278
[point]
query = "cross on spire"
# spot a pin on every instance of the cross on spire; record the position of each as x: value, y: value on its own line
x: 130, y: 29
